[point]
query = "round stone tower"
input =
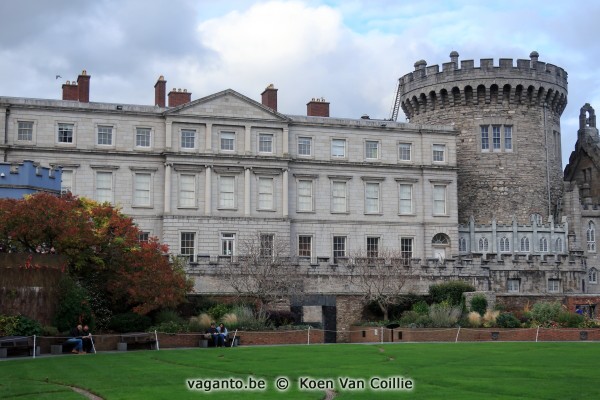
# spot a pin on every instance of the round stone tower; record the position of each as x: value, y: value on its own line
x: 508, y: 119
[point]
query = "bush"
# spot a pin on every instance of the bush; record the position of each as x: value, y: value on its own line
x: 452, y: 292
x: 8, y: 325
x: 413, y: 319
x: 129, y: 322
x: 507, y: 320
x: 570, y: 320
x: 474, y: 319
x: 217, y: 311
x: 167, y: 316
x: 444, y: 315
x: 479, y: 304
x: 544, y: 313
x: 73, y: 305
x: 200, y: 323
x: 50, y: 331
x: 27, y: 326
x: 489, y: 318
x: 170, y: 327
x: 421, y: 307
x: 281, y: 317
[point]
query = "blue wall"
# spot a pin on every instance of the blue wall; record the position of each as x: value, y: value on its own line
x: 26, y: 179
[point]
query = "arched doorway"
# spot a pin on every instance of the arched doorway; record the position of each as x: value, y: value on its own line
x: 441, y: 246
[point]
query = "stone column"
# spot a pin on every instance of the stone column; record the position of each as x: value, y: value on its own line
x: 247, y: 141
x: 168, y: 168
x: 208, y: 138
x: 247, y: 192
x: 284, y: 194
x: 208, y: 191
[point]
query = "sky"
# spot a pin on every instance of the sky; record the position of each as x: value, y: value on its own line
x: 349, y: 52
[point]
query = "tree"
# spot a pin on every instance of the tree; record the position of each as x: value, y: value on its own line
x: 380, y: 277
x: 264, y: 271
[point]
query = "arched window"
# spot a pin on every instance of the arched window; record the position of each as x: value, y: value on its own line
x: 524, y: 245
x: 558, y: 248
x: 593, y: 275
x: 462, y: 245
x: 504, y: 245
x: 543, y: 245
x: 441, y: 239
x: 483, y: 244
x: 591, y: 236
x: 537, y: 218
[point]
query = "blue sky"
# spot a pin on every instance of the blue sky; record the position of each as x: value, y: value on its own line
x: 349, y: 52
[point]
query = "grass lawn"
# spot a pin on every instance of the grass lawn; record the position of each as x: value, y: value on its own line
x: 438, y: 370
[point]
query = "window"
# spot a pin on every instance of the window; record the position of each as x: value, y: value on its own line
x: 371, y: 150
x: 496, y: 137
x: 543, y: 245
x: 188, y: 139
x: 372, y: 198
x: 338, y: 148
x: 554, y: 285
x: 188, y: 245
x: 504, y: 245
x: 267, y: 242
x: 66, y: 183
x: 524, y: 245
x: 143, y: 237
x: 404, y: 151
x: 265, y: 143
x: 558, y: 246
x: 508, y: 138
x: 104, y: 187
x: 438, y: 152
x: 142, y: 137
x: 227, y: 192
x: 65, y: 133
x: 512, y: 285
x: 372, y: 247
x: 265, y: 193
x: 305, y: 246
x: 537, y: 219
x: 227, y: 141
x: 25, y: 131
x: 305, y: 195
x: 405, y: 196
x: 227, y: 244
x: 105, y: 135
x: 462, y: 245
x: 591, y: 237
x: 485, y: 138
x: 187, y: 190
x: 483, y: 244
x: 339, y: 248
x: 339, y: 202
x: 439, y: 199
x: 304, y: 146
x: 406, y: 250
x: 593, y: 275
x: 141, y: 189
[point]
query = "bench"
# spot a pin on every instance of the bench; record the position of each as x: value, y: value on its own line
x: 59, y: 345
x: 207, y: 340
x: 16, y: 345
x: 136, y: 340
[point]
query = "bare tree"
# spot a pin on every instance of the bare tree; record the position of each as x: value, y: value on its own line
x: 264, y: 270
x: 380, y: 275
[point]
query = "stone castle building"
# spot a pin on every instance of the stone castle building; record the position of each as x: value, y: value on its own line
x: 470, y: 189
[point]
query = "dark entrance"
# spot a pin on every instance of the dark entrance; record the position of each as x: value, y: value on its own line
x: 328, y: 313
x: 330, y: 323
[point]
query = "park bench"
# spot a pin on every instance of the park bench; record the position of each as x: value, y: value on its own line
x: 128, y: 341
x: 207, y: 340
x: 17, y: 345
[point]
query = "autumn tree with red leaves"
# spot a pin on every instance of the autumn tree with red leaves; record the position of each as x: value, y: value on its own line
x: 101, y: 245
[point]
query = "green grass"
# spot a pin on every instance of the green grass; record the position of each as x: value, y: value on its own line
x: 439, y: 370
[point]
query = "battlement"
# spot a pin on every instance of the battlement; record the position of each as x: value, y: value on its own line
x: 19, y: 179
x: 530, y: 82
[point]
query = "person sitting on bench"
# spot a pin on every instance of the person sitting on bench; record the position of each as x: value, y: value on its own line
x: 212, y: 334
x: 222, y: 335
x: 76, y: 334
x: 88, y: 344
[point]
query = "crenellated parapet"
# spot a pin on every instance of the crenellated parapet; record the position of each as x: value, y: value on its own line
x: 530, y: 83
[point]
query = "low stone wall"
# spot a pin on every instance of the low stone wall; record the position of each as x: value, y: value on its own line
x: 364, y: 334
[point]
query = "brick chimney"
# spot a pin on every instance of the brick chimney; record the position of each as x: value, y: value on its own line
x: 70, y: 91
x: 160, y: 91
x: 178, y: 97
x: 269, y: 97
x: 317, y: 108
x: 83, y: 84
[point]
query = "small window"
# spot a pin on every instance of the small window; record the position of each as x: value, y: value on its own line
x: 339, y: 201
x: 104, y: 187
x: 543, y: 245
x: 305, y: 246
x: 65, y: 133
x: 439, y: 199
x: 141, y: 187
x: 404, y: 151
x: 267, y: 243
x: 485, y: 138
x: 227, y: 244
x: 143, y: 237
x: 265, y: 193
x: 25, y: 131
x: 142, y: 137
x: 513, y: 285
x: 305, y: 195
x: 372, y: 247
x: 440, y: 239
x: 227, y: 192
x: 508, y: 138
x: 553, y: 285
x: 188, y: 245
x: 537, y: 219
x: 228, y: 141
x: 339, y: 248
x: 483, y: 245
x: 188, y: 139
x: 105, y: 135
x: 462, y: 245
x: 524, y: 245
x: 372, y: 196
x: 338, y: 148
x: 439, y: 151
x: 371, y: 150
x: 406, y: 250
x: 496, y: 137
x: 265, y: 143
x: 593, y: 275
x: 504, y: 245
x: 405, y: 196
x: 304, y: 146
x: 187, y: 190
x: 591, y: 237
x: 558, y: 245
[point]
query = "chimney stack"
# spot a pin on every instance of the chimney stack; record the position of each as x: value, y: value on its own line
x: 269, y: 97
x: 83, y: 84
x: 317, y: 108
x: 178, y: 97
x: 160, y: 91
x: 70, y: 91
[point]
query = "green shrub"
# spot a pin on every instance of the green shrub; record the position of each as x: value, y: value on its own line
x: 170, y: 327
x: 544, y: 313
x: 421, y: 307
x: 27, y: 326
x: 451, y: 292
x: 479, y: 304
x: 444, y: 315
x: 413, y: 319
x: 167, y: 316
x: 8, y: 325
x: 219, y: 310
x: 507, y: 320
x: 73, y: 305
x: 129, y: 322
x: 50, y: 331
x: 570, y: 320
